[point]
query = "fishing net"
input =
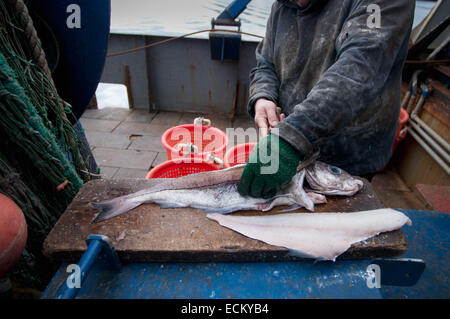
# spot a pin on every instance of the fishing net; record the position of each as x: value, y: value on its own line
x: 41, y: 162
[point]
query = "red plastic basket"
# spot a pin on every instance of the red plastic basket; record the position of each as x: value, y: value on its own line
x: 238, y: 154
x: 401, y: 133
x: 207, y: 140
x: 181, y: 167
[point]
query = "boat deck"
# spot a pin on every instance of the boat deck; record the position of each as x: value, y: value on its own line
x: 126, y: 143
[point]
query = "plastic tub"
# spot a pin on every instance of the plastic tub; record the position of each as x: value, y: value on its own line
x: 181, y: 167
x: 194, y: 141
x: 238, y: 154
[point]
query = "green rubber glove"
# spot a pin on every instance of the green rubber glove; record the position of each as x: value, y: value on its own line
x: 272, y: 165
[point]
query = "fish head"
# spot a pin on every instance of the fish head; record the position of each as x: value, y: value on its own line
x: 322, y: 176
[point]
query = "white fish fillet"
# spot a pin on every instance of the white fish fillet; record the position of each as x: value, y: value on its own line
x: 322, y: 236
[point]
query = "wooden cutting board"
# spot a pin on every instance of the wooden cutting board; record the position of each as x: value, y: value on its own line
x: 150, y: 234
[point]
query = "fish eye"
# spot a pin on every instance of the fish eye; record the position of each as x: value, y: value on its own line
x: 334, y: 170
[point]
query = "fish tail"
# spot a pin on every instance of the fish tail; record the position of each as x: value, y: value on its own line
x: 113, y: 207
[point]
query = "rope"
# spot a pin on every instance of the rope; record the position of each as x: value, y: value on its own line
x: 39, y: 58
x: 180, y: 37
x: 30, y: 32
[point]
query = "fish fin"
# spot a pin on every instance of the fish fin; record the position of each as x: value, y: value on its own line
x: 335, y: 192
x: 111, y: 208
x: 276, y: 201
x: 291, y: 208
x: 298, y: 193
x: 220, y: 211
x: 302, y: 199
x: 204, y: 208
x: 168, y: 205
x: 317, y: 198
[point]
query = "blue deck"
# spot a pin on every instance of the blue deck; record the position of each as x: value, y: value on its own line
x: 428, y: 239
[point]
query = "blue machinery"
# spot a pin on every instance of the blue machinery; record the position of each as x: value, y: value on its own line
x: 226, y: 46
x: 228, y: 16
x: 99, y: 247
x: 422, y: 272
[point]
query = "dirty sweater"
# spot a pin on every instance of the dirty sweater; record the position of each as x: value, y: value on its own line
x: 337, y: 79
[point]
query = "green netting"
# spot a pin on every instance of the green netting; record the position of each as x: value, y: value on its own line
x: 39, y: 149
x: 25, y: 128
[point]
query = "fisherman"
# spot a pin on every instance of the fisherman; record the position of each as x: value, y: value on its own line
x: 328, y: 78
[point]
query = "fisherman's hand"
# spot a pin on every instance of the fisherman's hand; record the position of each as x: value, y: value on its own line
x: 267, y: 115
x: 271, y: 165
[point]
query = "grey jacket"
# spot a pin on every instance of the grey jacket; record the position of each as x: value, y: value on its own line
x: 337, y: 80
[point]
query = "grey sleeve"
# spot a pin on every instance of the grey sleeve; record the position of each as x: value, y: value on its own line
x: 365, y: 58
x: 264, y: 82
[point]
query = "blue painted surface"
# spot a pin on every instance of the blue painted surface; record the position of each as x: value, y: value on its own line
x: 99, y: 247
x: 85, y: 264
x: 428, y: 239
x: 82, y: 50
x: 234, y: 9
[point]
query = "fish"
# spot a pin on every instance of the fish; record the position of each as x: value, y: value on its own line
x: 217, y: 192
x: 331, y: 180
x: 320, y: 236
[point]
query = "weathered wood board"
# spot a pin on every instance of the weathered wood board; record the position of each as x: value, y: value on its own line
x: 150, y: 234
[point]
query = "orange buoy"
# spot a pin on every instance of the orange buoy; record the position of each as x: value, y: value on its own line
x: 13, y: 234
